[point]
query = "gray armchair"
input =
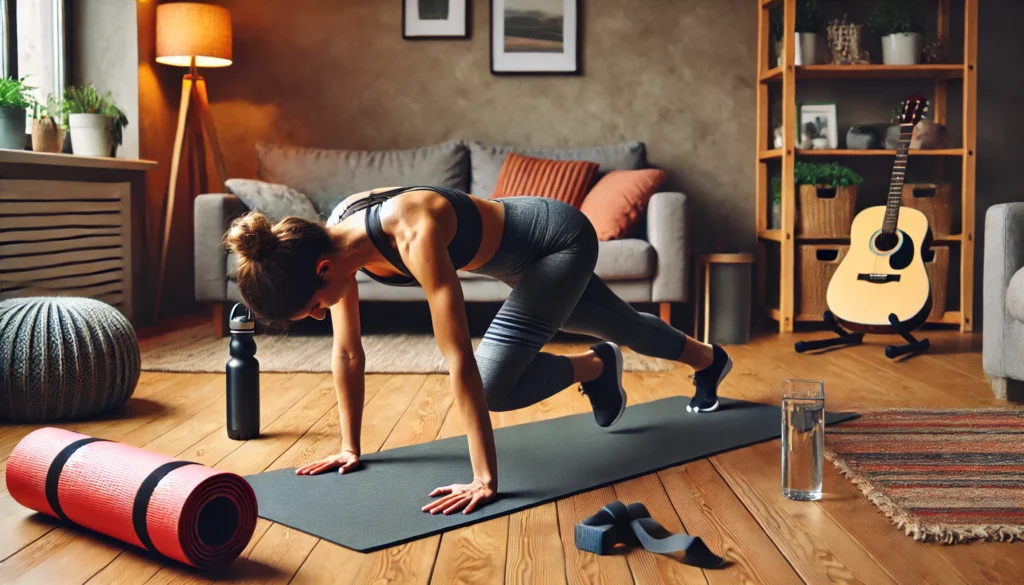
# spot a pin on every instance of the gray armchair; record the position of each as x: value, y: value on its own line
x: 1003, y: 324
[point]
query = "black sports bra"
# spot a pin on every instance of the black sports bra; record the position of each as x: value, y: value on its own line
x: 461, y: 250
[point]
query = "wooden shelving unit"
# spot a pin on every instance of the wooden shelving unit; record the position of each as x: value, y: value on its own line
x: 786, y: 75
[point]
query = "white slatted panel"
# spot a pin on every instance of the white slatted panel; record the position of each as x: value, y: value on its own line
x: 66, y: 238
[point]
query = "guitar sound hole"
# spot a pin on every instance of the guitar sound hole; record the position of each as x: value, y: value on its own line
x: 885, y: 242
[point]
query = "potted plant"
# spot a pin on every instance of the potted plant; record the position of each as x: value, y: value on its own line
x: 827, y: 198
x: 775, y: 217
x: 808, y: 23
x: 95, y: 122
x: 15, y: 99
x: 899, y: 24
x: 47, y: 133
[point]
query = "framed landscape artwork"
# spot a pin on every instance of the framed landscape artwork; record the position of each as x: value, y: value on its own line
x: 435, y: 19
x: 535, y: 36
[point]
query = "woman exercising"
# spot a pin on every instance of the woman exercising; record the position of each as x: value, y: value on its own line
x: 544, y: 249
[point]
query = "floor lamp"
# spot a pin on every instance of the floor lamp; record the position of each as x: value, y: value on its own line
x: 191, y: 35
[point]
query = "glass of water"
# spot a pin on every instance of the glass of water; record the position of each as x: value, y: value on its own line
x: 803, y: 438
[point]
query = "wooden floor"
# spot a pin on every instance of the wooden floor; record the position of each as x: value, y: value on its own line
x: 732, y: 501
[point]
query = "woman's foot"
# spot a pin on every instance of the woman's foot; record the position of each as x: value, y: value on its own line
x: 607, y: 397
x: 708, y: 380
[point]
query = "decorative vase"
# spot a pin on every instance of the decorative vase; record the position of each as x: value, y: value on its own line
x: 90, y: 135
x: 844, y: 41
x: 47, y: 135
x: 806, y: 48
x: 928, y: 135
x: 775, y: 219
x: 902, y: 49
x: 863, y: 138
x: 12, y: 128
x: 819, y: 143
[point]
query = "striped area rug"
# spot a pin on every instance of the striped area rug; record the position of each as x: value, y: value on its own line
x: 946, y: 476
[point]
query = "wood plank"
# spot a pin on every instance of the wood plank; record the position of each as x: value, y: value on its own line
x: 59, y: 221
x: 648, y: 567
x: 534, y: 547
x: 710, y: 510
x: 29, y: 276
x: 50, y: 260
x: 44, y: 189
x: 43, y: 235
x: 74, y: 283
x: 816, y: 546
x: 53, y: 208
x: 474, y: 554
x: 63, y: 245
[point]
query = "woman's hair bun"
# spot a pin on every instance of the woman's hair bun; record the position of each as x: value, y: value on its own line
x: 252, y: 237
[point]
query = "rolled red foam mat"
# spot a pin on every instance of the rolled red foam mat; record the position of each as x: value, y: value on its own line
x: 181, y: 510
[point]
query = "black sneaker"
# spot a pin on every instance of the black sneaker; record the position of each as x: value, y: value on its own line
x: 605, y: 392
x: 708, y: 380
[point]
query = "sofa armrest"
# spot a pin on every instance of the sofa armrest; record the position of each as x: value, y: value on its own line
x: 1004, y: 256
x: 667, y: 232
x: 213, y: 216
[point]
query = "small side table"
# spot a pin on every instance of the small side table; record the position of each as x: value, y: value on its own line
x: 733, y: 297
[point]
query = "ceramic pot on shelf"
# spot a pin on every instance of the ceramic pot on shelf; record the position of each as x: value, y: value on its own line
x: 47, y: 136
x: 12, y: 128
x: 90, y: 135
x: 902, y: 49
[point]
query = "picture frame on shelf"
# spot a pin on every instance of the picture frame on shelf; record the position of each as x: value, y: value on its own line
x: 435, y: 19
x: 817, y: 126
x: 535, y: 37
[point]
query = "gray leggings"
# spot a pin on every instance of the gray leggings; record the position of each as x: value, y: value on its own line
x: 547, y: 255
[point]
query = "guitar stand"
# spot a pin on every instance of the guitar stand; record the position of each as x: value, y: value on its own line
x: 912, y: 346
x: 843, y: 337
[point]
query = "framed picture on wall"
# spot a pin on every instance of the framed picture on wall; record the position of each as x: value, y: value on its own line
x: 535, y: 36
x: 435, y: 19
x: 818, y: 126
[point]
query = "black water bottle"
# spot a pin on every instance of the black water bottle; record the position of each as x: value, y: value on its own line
x: 243, y: 378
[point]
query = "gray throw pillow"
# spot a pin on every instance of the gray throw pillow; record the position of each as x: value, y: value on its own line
x: 275, y: 201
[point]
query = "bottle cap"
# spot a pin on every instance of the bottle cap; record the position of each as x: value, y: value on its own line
x: 243, y: 323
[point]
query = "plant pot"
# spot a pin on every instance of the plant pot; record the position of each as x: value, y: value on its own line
x: 90, y: 135
x: 806, y: 52
x: 47, y: 136
x: 12, y: 128
x: 775, y: 219
x: 902, y: 49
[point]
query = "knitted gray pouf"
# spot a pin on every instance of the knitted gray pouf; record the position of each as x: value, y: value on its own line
x: 64, y: 358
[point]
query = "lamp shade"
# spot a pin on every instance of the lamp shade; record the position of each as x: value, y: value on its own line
x: 186, y: 29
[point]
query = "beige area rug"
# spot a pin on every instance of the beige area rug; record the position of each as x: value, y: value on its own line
x: 196, y: 350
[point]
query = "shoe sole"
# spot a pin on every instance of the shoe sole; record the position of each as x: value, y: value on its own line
x: 618, y: 379
x: 713, y: 407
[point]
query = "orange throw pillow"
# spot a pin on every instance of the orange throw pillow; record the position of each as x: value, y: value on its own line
x: 565, y: 180
x: 619, y: 199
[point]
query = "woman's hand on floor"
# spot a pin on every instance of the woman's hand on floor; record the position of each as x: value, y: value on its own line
x: 343, y: 462
x: 458, y: 496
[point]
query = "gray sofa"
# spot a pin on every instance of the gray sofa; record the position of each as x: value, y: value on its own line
x: 649, y: 267
x: 1003, y: 325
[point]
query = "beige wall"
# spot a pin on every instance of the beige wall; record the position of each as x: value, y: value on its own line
x: 677, y: 75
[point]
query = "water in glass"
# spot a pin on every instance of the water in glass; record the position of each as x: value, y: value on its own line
x: 803, y: 439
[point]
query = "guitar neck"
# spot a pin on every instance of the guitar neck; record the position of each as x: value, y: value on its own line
x: 899, y: 169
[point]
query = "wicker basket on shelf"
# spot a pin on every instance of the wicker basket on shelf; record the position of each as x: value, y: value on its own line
x: 824, y: 211
x: 937, y: 267
x: 935, y: 200
x: 817, y: 263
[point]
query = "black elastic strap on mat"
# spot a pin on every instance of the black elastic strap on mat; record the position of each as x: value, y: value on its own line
x: 141, y: 505
x: 53, y: 474
x: 632, y: 525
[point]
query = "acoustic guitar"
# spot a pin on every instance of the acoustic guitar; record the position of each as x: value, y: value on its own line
x: 883, y: 272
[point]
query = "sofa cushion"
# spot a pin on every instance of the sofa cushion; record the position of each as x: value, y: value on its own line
x: 630, y: 259
x: 486, y: 160
x: 329, y: 176
x: 567, y: 181
x: 1015, y: 296
x: 275, y: 201
x: 617, y: 202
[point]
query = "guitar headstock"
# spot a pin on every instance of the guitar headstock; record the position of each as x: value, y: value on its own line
x: 913, y: 109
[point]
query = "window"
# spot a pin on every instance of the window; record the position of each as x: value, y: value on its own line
x: 32, y: 44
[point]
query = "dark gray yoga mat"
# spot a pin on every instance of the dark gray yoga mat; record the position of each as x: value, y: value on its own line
x: 379, y: 505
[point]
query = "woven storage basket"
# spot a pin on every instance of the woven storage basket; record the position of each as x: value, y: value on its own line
x: 938, y: 275
x: 935, y: 200
x: 817, y: 263
x: 824, y: 211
